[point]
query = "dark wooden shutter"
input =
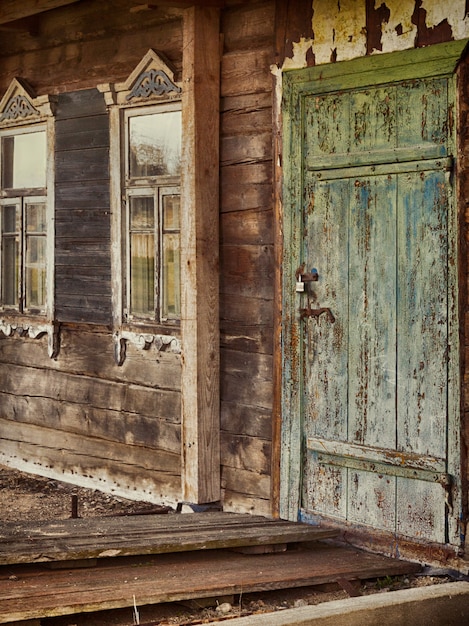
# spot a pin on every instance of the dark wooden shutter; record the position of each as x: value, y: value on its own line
x: 82, y: 212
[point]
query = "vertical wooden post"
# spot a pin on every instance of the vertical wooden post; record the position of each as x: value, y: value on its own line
x: 199, y: 256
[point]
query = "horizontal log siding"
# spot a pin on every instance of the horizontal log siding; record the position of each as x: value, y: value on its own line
x: 82, y: 215
x: 101, y: 42
x: 246, y: 256
x: 82, y: 418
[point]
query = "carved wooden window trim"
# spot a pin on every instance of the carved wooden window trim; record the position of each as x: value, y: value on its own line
x: 150, y: 86
x: 22, y: 112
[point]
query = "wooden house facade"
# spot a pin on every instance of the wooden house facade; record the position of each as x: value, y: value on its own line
x: 233, y: 257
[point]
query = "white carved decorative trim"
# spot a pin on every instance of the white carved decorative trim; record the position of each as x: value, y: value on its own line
x: 20, y: 105
x: 144, y: 341
x: 34, y: 331
x: 152, y: 79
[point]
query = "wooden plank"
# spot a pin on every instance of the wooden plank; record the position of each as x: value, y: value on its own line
x: 105, y: 537
x: 199, y: 256
x: 241, y: 452
x: 246, y: 186
x: 246, y: 72
x: 122, y: 427
x: 247, y: 271
x: 167, y: 578
x: 248, y: 25
x: 246, y: 482
x: 239, y: 419
x: 11, y: 10
x: 146, y: 474
x: 142, y: 367
x: 252, y: 227
x: 93, y: 452
x: 88, y: 391
x: 242, y: 149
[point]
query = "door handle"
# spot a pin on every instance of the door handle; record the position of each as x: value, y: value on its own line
x: 309, y: 312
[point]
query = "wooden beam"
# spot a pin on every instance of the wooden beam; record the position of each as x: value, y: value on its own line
x: 199, y: 256
x: 184, y: 4
x: 12, y: 10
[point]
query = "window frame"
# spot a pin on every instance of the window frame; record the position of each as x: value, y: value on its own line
x: 149, y: 86
x: 150, y: 186
x: 22, y: 112
x: 21, y: 196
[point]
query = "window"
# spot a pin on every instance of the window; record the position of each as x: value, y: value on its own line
x: 152, y: 205
x: 23, y: 230
x: 146, y: 133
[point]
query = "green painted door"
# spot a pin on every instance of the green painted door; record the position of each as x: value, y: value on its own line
x: 371, y: 392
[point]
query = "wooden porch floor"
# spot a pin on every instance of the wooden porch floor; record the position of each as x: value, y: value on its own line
x: 154, y: 559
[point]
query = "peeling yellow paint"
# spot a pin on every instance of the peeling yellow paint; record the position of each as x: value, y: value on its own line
x: 400, y: 18
x: 300, y: 50
x: 454, y: 12
x: 339, y: 30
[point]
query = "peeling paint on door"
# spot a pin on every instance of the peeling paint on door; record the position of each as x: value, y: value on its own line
x: 369, y: 195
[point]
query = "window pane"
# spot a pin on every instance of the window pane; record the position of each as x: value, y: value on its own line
x: 171, y: 276
x: 142, y: 256
x: 24, y: 161
x: 11, y: 219
x: 155, y: 144
x: 142, y: 274
x: 142, y: 213
x: 171, y: 205
x: 10, y: 254
x: 35, y: 271
x: 36, y: 218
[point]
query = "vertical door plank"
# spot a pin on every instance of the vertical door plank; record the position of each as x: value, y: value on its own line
x: 422, y: 313
x: 372, y: 301
x: 372, y: 499
x: 325, y: 343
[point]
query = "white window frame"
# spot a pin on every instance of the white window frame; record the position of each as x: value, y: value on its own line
x: 149, y: 88
x: 151, y: 186
x: 22, y: 112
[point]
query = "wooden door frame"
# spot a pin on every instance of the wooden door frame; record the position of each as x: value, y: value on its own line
x: 428, y: 62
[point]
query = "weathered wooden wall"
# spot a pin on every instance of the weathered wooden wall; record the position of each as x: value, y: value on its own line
x: 80, y: 416
x: 247, y: 257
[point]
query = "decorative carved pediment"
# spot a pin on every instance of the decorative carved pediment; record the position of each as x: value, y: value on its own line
x: 151, y: 79
x: 21, y: 105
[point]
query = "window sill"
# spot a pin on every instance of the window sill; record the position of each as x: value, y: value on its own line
x: 143, y: 340
x: 34, y: 328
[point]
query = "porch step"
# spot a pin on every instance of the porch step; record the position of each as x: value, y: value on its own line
x: 97, y: 538
x: 32, y: 592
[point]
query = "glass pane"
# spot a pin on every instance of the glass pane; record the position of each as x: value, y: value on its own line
x: 171, y: 277
x: 171, y: 212
x: 10, y: 273
x: 35, y: 271
x: 10, y: 219
x: 36, y: 218
x: 155, y: 144
x: 142, y: 213
x: 7, y: 162
x: 24, y: 161
x: 142, y: 274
